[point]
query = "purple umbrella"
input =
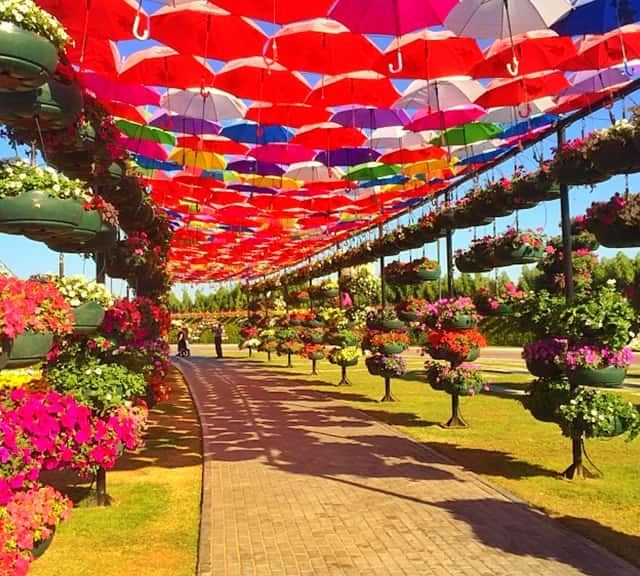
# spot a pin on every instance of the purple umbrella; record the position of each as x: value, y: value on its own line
x: 347, y: 156
x: 184, y: 124
x: 593, y: 81
x: 367, y: 117
x: 252, y: 189
x: 256, y: 167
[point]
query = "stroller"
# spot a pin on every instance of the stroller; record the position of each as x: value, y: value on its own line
x: 183, y: 346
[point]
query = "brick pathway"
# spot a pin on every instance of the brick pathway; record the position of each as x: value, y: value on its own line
x: 297, y: 484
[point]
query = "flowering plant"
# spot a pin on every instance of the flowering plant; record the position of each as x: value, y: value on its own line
x: 333, y: 317
x: 108, y: 211
x: 460, y: 380
x: 508, y: 294
x: 249, y: 332
x: 594, y: 413
x: 249, y: 343
x: 454, y: 342
x: 137, y: 320
x: 289, y: 347
x: 344, y: 355
x: 18, y: 177
x: 137, y: 249
x: 545, y: 396
x: 376, y: 341
x: 329, y: 285
x: 423, y: 264
x: 77, y: 290
x: 514, y: 238
x: 28, y: 15
x: 28, y: 378
x: 587, y: 355
x: 391, y: 366
x: 32, y: 305
x: 548, y: 351
x: 309, y: 350
x: 437, y: 314
x: 344, y: 338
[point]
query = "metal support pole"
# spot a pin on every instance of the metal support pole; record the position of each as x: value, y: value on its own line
x: 61, y: 265
x: 102, y: 498
x: 383, y: 299
x: 450, y: 286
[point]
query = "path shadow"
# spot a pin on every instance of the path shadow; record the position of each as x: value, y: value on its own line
x: 516, y: 529
x: 490, y: 462
x: 408, y: 419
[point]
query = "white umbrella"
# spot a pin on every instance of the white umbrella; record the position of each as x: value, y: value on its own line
x: 509, y: 114
x: 503, y: 18
x: 207, y: 104
x: 397, y: 137
x: 312, y: 171
x: 462, y: 152
x: 439, y: 94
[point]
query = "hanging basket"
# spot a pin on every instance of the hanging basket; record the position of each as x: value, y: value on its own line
x: 87, y: 318
x: 55, y: 104
x: 609, y: 377
x: 393, y: 348
x: 577, y: 171
x: 26, y: 59
x: 451, y: 356
x: 26, y: 349
x: 616, y: 234
x: 460, y: 322
x: 612, y: 156
x: 523, y: 254
x: 316, y: 356
x: 408, y: 316
x: 501, y: 310
x: 543, y: 369
x: 427, y: 275
x: 467, y: 264
x: 328, y: 293
x: 347, y: 363
x: 39, y: 216
x: 395, y: 324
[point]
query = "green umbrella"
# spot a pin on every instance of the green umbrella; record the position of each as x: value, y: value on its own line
x: 467, y: 133
x: 371, y: 171
x: 144, y: 132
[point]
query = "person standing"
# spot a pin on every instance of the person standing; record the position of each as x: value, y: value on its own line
x: 217, y: 339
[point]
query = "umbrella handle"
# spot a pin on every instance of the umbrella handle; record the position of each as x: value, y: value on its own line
x: 514, y: 66
x: 136, y: 29
x: 396, y: 68
x: 527, y: 111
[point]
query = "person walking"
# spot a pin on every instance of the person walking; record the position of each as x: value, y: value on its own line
x: 217, y: 339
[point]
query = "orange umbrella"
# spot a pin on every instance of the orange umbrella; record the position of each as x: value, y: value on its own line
x: 365, y: 87
x: 412, y: 154
x: 206, y: 30
x: 163, y: 66
x: 323, y: 46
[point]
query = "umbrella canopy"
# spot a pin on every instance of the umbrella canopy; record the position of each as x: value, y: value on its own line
x: 254, y: 133
x: 371, y: 171
x: 364, y: 87
x: 122, y: 110
x: 163, y: 66
x: 143, y: 132
x: 530, y: 124
x: 600, y: 52
x: 503, y: 18
x: 535, y: 51
x: 369, y: 117
x: 513, y: 91
x: 467, y: 134
x: 183, y: 124
x: 328, y: 136
x: 198, y: 159
x: 347, y: 156
x: 442, y: 119
x: 412, y: 154
x: 252, y: 166
x: 323, y: 46
x: 208, y: 104
x: 312, y: 171
x: 510, y: 114
x: 212, y: 143
x: 393, y: 17
x: 262, y: 79
x: 439, y: 94
x: 106, y: 90
x: 396, y: 137
x: 429, y: 54
x: 429, y: 168
x: 207, y: 31
x: 281, y: 12
x: 597, y: 16
x: 281, y: 153
x: 97, y: 54
x: 594, y: 81
x: 294, y: 115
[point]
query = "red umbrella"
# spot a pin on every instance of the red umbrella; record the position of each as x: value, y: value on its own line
x: 163, y: 66
x: 113, y: 19
x: 323, y: 46
x: 294, y: 115
x: 429, y: 54
x: 281, y: 153
x: 107, y: 89
x: 97, y: 54
x: 534, y: 52
x: 277, y: 11
x: 329, y: 136
x: 601, y: 52
x: 412, y: 154
x: 212, y: 143
x: 513, y: 91
x: 261, y: 79
x: 364, y: 87
x: 123, y: 110
x: 576, y: 101
x: 205, y: 30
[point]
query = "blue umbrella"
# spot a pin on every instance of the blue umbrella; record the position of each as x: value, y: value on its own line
x: 367, y: 117
x: 154, y: 164
x: 256, y: 167
x: 484, y: 156
x: 184, y: 124
x: 254, y: 133
x: 395, y: 179
x: 532, y: 123
x: 347, y: 156
x: 597, y: 16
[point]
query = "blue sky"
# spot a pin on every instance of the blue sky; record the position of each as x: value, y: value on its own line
x: 25, y: 257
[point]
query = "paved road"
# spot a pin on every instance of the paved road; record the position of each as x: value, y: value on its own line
x: 297, y: 484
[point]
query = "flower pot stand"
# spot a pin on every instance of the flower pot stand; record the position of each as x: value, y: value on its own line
x: 388, y: 397
x: 456, y: 420
x: 344, y: 381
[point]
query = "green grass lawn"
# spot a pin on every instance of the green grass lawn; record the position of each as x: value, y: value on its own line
x: 505, y: 445
x: 152, y: 527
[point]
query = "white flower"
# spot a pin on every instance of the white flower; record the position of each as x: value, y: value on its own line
x: 611, y: 282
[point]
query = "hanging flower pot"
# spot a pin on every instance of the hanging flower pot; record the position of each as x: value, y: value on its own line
x: 392, y: 324
x: 26, y: 59
x: 329, y: 293
x: 26, y: 349
x: 459, y: 322
x: 41, y: 546
x: 543, y: 369
x: 408, y: 315
x: 344, y: 362
x: 316, y: 356
x: 56, y: 105
x: 609, y: 377
x: 87, y: 317
x: 616, y: 234
x: 468, y: 264
x: 427, y: 275
x: 39, y: 216
x: 523, y: 254
x: 312, y: 323
x: 372, y: 365
x: 393, y: 348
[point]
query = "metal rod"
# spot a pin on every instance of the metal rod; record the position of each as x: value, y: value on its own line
x: 565, y: 222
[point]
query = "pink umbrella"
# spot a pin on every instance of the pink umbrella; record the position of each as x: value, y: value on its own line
x: 281, y: 153
x: 106, y: 89
x: 443, y: 119
x: 145, y: 148
x: 393, y: 17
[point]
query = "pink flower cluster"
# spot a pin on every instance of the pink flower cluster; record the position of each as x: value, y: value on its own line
x: 548, y: 350
x: 597, y: 357
x: 32, y: 305
x: 438, y: 312
x: 136, y: 321
x: 606, y: 212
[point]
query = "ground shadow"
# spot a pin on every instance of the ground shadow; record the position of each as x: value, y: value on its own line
x: 408, y: 419
x: 514, y: 528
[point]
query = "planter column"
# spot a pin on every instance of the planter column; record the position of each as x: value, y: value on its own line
x: 344, y: 381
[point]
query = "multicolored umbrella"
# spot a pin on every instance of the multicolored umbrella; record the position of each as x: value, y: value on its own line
x: 253, y: 166
x: 212, y: 143
x: 281, y: 153
x: 144, y: 132
x: 347, y: 156
x: 371, y: 171
x: 397, y: 137
x: 106, y: 89
x: 513, y: 91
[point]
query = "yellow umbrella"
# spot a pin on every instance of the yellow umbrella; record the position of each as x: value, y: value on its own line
x: 427, y: 166
x: 198, y: 159
x: 271, y: 181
